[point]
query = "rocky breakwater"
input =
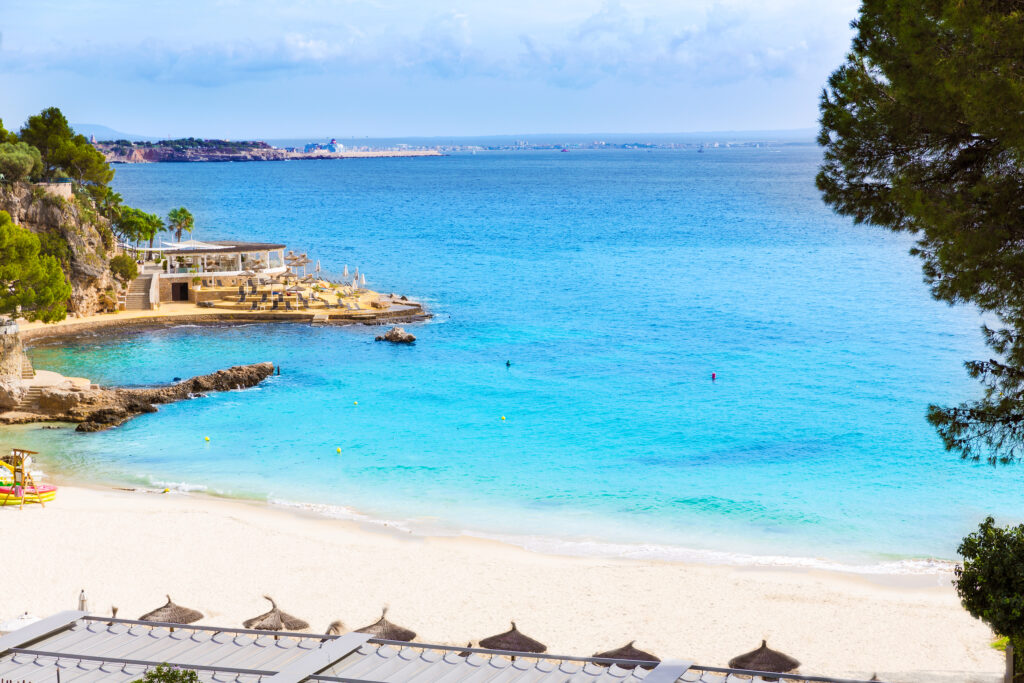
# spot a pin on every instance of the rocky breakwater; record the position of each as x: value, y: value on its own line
x: 96, y: 409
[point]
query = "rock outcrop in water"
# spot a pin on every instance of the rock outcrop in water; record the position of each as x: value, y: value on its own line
x: 98, y: 409
x: 397, y: 335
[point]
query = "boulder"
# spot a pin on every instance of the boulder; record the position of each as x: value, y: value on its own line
x: 64, y: 399
x: 11, y: 392
x: 396, y: 335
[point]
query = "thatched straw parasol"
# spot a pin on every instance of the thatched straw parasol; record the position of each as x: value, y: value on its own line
x: 275, y: 620
x: 627, y: 651
x: 385, y: 630
x: 336, y: 628
x: 513, y: 641
x: 764, y: 659
x: 172, y: 614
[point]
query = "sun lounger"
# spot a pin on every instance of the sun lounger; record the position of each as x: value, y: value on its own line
x: 264, y: 298
x: 288, y: 306
x: 253, y: 306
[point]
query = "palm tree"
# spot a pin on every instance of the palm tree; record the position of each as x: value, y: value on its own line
x: 180, y: 221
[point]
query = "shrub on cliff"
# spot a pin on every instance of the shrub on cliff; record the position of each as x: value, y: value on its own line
x: 18, y: 161
x: 124, y: 268
x: 29, y: 279
x: 990, y: 582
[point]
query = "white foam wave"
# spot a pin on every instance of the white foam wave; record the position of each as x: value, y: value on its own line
x: 339, y: 512
x: 180, y: 486
x: 669, y: 553
x: 550, y: 545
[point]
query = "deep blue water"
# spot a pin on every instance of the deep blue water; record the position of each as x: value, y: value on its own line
x: 615, y: 282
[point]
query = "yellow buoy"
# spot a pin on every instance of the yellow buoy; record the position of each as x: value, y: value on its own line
x: 355, y: 403
x: 207, y: 438
x: 339, y: 450
x: 167, y: 490
x: 502, y: 417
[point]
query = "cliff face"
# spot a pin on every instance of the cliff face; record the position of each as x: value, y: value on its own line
x: 122, y: 155
x: 89, y: 242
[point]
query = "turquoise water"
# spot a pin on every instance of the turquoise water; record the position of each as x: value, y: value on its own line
x: 615, y: 282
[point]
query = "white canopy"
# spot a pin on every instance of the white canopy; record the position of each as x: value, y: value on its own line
x: 193, y: 244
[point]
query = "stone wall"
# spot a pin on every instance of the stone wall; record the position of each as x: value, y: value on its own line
x: 62, y: 190
x: 10, y: 355
x: 12, y: 387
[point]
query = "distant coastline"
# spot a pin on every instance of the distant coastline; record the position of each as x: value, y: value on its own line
x: 193, y: 150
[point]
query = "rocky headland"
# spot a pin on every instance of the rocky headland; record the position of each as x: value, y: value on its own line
x: 124, y: 152
x: 96, y: 408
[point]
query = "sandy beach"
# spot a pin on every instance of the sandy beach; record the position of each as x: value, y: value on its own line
x: 130, y: 548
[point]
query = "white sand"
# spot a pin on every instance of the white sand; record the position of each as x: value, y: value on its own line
x: 220, y: 556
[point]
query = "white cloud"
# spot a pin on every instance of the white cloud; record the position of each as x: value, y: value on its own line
x: 656, y: 44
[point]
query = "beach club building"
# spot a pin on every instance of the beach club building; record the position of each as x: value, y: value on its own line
x: 74, y: 646
x: 194, y: 271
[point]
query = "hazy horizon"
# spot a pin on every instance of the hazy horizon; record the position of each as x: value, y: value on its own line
x: 786, y: 135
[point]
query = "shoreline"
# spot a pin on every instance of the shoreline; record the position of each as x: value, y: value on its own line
x: 188, y: 314
x: 451, y: 589
x: 909, y: 571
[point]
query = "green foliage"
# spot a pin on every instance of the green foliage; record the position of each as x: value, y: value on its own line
x: 182, y: 144
x: 922, y: 134
x: 124, y: 268
x: 63, y: 152
x: 18, y: 161
x: 107, y: 235
x: 180, y: 220
x: 5, y: 135
x: 169, y: 674
x: 135, y: 225
x: 53, y: 244
x: 109, y: 204
x: 991, y: 582
x: 27, y: 278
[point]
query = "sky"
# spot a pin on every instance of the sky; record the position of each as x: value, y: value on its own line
x: 391, y: 68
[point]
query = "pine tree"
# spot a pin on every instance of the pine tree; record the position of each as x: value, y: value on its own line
x: 923, y: 134
x: 32, y: 281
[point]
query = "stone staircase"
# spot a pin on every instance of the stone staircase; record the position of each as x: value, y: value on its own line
x: 137, y: 298
x: 27, y: 371
x: 30, y: 402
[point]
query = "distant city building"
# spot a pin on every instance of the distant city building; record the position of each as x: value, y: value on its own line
x: 333, y: 146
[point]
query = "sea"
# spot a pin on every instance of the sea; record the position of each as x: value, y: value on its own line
x: 664, y: 354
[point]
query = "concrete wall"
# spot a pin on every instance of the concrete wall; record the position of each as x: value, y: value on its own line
x: 203, y: 294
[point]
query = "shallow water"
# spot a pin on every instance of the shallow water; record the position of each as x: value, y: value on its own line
x: 615, y: 282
